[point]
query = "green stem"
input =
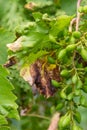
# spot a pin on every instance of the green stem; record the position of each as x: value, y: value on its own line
x: 39, y: 116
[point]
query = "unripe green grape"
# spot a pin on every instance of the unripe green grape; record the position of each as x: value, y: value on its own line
x: 72, y: 40
x: 52, y: 110
x: 79, y: 83
x: 70, y: 47
x: 70, y: 96
x: 80, y: 9
x: 76, y: 34
x: 55, y: 83
x: 52, y: 38
x: 64, y: 73
x: 85, y: 69
x: 83, y: 101
x: 75, y: 127
x: 77, y: 116
x: 77, y: 92
x: 84, y: 88
x: 60, y: 106
x: 63, y: 94
x: 51, y: 60
x: 83, y: 53
x: 85, y: 9
x: 62, y: 54
x: 75, y: 79
x: 64, y: 121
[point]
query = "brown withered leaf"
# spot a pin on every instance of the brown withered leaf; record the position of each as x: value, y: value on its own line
x: 11, y: 61
x: 25, y: 73
x: 15, y: 46
x: 40, y: 75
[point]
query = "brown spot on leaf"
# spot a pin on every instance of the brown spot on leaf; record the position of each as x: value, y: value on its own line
x: 39, y: 76
x: 15, y: 46
x: 43, y: 76
x: 11, y: 61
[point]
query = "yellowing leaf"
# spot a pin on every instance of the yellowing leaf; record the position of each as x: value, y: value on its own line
x: 25, y: 73
x: 15, y: 46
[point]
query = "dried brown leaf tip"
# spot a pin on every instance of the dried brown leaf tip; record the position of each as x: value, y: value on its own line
x: 39, y: 76
x: 11, y: 61
x: 30, y: 6
x: 15, y: 46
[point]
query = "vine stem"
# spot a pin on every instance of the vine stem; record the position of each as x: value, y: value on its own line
x: 38, y: 116
x: 71, y: 24
x: 54, y: 122
x: 78, y: 15
x: 24, y: 113
x: 77, y: 19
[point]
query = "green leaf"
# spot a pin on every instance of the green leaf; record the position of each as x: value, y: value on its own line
x: 8, y: 107
x: 60, y: 25
x: 77, y: 116
x: 69, y: 6
x: 31, y: 40
x: 13, y: 113
x: 83, y: 101
x: 41, y: 3
x: 75, y: 127
x: 3, y: 111
x: 37, y: 16
x: 34, y: 56
x: 3, y: 71
x: 83, y: 53
x: 4, y: 128
x: 5, y: 82
x: 5, y: 37
x: 84, y: 88
x: 64, y: 121
x: 8, y: 14
x: 3, y: 120
x: 7, y: 98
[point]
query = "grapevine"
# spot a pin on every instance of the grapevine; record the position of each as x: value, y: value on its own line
x: 49, y: 54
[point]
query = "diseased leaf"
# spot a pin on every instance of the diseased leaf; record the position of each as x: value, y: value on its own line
x: 34, y: 56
